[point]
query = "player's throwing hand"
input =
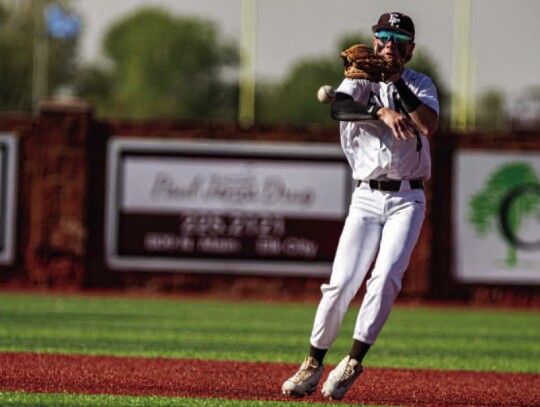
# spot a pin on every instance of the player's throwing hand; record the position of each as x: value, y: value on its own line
x: 402, y: 127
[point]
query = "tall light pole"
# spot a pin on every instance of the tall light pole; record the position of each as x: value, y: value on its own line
x: 248, y: 46
x: 462, y: 105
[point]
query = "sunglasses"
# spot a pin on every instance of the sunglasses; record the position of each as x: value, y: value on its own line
x: 398, y: 39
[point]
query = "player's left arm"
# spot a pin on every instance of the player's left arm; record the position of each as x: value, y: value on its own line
x: 425, y: 117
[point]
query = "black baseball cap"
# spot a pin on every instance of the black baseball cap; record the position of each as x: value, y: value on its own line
x: 395, y: 21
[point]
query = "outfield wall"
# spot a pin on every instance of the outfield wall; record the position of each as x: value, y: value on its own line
x: 61, y: 235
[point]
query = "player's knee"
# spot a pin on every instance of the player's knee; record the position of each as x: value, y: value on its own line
x: 390, y: 285
x: 339, y: 294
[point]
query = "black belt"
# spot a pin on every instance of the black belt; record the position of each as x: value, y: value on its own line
x: 391, y: 185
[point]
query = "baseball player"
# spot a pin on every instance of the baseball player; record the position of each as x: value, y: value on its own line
x: 384, y: 128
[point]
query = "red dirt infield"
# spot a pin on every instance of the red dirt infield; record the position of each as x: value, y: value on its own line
x: 52, y: 373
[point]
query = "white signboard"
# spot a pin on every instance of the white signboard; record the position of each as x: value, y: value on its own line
x: 288, y: 188
x: 497, y: 217
x: 8, y: 197
x: 225, y: 206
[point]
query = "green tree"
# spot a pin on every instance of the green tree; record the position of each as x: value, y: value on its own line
x: 17, y: 31
x: 162, y: 67
x: 486, y: 204
x: 294, y: 99
x: 490, y: 112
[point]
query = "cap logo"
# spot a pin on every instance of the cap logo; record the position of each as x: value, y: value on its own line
x: 394, y: 20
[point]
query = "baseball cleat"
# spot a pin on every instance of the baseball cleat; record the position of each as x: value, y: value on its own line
x: 305, y: 380
x: 341, y: 378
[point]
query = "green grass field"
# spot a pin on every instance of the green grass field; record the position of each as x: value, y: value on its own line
x: 414, y: 337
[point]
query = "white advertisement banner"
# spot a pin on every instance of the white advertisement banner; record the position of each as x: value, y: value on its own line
x: 225, y: 207
x: 286, y: 188
x: 497, y: 217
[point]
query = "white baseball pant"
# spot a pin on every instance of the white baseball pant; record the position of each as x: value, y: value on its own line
x: 382, y: 224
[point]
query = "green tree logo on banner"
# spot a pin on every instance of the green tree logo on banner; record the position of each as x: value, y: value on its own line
x: 510, y: 196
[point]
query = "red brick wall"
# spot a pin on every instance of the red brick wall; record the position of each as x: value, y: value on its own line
x: 53, y: 195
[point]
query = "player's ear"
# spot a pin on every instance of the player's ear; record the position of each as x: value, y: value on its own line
x: 410, y: 50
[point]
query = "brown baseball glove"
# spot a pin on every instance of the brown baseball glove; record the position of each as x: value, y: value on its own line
x: 361, y: 62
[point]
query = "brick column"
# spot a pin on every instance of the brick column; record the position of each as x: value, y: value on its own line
x: 54, y: 191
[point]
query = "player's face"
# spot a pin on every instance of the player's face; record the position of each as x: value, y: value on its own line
x: 393, y: 46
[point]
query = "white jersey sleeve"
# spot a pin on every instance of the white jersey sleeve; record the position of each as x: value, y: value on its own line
x: 423, y: 87
x: 355, y: 88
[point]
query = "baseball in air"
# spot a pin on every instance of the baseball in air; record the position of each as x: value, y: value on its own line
x: 326, y: 94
